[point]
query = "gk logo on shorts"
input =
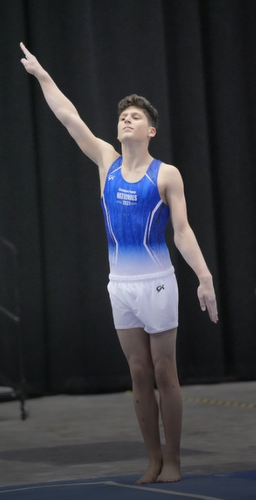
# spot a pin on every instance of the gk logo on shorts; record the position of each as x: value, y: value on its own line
x: 160, y: 287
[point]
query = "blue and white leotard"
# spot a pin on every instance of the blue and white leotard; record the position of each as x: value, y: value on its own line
x: 135, y: 220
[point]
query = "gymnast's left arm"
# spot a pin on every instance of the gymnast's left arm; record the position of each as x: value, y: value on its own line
x: 186, y: 242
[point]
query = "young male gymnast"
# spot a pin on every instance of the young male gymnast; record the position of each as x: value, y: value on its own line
x: 138, y: 195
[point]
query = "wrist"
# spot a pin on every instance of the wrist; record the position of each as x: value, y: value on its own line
x: 205, y: 278
x: 42, y: 75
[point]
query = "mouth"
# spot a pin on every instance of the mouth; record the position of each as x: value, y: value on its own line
x: 127, y: 128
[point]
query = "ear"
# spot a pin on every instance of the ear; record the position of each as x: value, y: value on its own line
x: 152, y: 132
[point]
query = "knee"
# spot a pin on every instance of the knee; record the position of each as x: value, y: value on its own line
x: 142, y: 374
x: 166, y: 375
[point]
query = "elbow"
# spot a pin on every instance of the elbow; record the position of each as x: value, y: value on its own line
x: 67, y: 116
x: 177, y: 240
x: 181, y: 234
x: 63, y: 116
x: 178, y: 237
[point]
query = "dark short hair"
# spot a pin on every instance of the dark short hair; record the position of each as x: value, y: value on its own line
x: 142, y: 103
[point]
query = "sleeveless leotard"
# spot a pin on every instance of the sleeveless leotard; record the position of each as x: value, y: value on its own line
x: 135, y: 221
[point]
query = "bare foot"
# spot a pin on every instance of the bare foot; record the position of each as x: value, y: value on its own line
x: 151, y: 474
x: 170, y: 473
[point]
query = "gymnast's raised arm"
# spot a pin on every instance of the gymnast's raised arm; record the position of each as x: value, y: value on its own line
x: 99, y: 151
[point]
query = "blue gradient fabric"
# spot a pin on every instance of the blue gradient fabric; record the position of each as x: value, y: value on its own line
x: 135, y: 220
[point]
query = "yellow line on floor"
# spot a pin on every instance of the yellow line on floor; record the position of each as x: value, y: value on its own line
x: 218, y: 402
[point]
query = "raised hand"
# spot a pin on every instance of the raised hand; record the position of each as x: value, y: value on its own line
x: 30, y: 62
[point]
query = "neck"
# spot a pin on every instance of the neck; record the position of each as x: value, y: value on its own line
x: 135, y: 156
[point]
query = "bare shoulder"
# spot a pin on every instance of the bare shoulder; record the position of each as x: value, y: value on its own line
x: 169, y: 175
x: 170, y: 185
x: 169, y: 169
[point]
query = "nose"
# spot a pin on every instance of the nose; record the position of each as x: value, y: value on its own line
x: 127, y: 119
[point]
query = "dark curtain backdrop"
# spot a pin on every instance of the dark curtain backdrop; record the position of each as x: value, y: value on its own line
x: 195, y: 61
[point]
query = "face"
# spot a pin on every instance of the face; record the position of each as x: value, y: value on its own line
x: 133, y: 125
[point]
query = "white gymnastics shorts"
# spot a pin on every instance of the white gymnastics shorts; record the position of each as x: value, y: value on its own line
x: 145, y: 301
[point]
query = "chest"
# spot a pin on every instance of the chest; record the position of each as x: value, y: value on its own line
x: 144, y: 185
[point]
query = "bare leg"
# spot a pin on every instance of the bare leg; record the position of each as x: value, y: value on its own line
x: 136, y: 346
x: 163, y: 347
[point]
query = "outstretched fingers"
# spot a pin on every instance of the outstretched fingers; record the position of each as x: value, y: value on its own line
x: 29, y: 62
x: 25, y: 50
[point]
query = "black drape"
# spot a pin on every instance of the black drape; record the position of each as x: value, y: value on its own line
x: 195, y: 61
